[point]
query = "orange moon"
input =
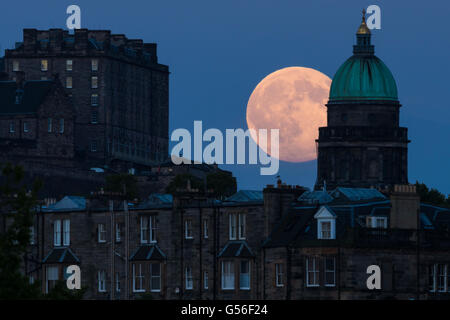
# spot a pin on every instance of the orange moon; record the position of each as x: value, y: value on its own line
x: 293, y: 101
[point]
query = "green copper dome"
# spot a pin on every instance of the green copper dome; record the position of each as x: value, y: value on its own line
x: 363, y: 76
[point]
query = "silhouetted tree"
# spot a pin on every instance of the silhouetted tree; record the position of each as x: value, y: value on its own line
x: 61, y: 292
x: 180, y: 181
x: 431, y: 196
x: 123, y: 182
x: 17, y: 207
x: 223, y: 184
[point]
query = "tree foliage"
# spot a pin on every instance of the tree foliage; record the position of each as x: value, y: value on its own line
x: 123, y: 182
x: 18, y: 203
x: 180, y: 181
x: 61, y: 292
x: 17, y: 207
x: 222, y: 183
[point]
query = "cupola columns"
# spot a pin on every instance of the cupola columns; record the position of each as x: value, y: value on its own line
x: 363, y: 46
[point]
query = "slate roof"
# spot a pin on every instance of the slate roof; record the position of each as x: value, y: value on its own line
x: 299, y: 226
x: 318, y: 196
x: 236, y: 249
x: 356, y: 194
x: 68, y: 203
x: 246, y: 196
x: 61, y: 255
x: 148, y: 252
x: 156, y: 200
x: 34, y: 93
x: 160, y: 198
x: 291, y: 227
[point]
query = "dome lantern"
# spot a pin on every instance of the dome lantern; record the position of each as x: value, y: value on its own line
x: 363, y: 46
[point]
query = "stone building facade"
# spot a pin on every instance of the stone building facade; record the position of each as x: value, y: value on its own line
x: 282, y: 243
x: 191, y: 246
x: 37, y: 121
x: 118, y: 89
x: 323, y: 248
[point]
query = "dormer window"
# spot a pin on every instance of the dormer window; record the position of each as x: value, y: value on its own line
x: 326, y: 223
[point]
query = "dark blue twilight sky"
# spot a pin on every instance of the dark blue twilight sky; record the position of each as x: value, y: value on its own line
x: 219, y: 50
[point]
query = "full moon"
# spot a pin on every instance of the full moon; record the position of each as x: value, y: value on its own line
x: 293, y: 101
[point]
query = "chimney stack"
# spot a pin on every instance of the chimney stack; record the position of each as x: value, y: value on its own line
x: 277, y: 203
x: 56, y: 40
x: 405, y: 207
x: 29, y: 40
x: 81, y: 39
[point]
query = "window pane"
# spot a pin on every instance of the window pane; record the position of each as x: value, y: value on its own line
x: 279, y: 274
x: 242, y: 226
x: 156, y: 269
x: 94, y: 82
x: 205, y: 228
x: 94, y: 116
x: 188, y: 276
x: 153, y: 228
x: 431, y: 277
x: 155, y: 276
x: 232, y: 226
x: 93, y: 146
x: 52, y: 273
x: 156, y: 283
x: 66, y: 235
x: 57, y: 233
x: 94, y: 99
x: 188, y: 229
x: 326, y: 229
x: 244, y: 278
x: 44, y: 65
x: 441, y: 277
x: 205, y: 280
x: 227, y: 275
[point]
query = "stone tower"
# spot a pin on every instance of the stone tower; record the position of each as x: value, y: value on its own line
x: 363, y: 144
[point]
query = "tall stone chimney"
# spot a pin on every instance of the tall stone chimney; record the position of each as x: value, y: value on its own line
x: 405, y: 207
x: 29, y: 40
x: 277, y: 202
x: 81, y: 39
x: 56, y: 40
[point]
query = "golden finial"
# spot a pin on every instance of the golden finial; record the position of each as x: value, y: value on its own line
x: 363, y: 29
